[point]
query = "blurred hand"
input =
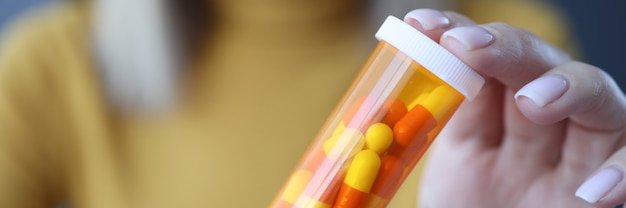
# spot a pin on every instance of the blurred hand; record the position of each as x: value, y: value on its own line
x: 542, y: 126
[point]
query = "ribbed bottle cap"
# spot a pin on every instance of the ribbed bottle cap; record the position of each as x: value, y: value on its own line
x: 431, y: 55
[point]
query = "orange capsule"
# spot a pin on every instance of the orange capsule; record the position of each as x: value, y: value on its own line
x: 350, y: 197
x: 411, y: 152
x: 390, y: 177
x: 353, y: 109
x: 416, y: 123
x: 393, y: 111
x: 362, y: 113
x: 314, y: 159
x: 414, y: 153
x: 359, y: 180
x: 282, y: 204
x: 347, y: 118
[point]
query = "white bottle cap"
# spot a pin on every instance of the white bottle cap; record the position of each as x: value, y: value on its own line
x: 431, y: 55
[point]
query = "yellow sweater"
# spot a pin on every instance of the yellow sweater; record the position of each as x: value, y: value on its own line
x: 241, y: 128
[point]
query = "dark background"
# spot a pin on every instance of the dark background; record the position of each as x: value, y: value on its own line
x: 600, y: 26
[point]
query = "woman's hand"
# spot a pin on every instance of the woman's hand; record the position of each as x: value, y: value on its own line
x: 542, y: 126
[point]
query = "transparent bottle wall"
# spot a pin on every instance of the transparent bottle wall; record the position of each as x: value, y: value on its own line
x: 377, y: 134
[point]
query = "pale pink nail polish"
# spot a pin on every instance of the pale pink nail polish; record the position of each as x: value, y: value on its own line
x: 429, y: 19
x: 600, y: 184
x: 544, y: 90
x: 472, y: 37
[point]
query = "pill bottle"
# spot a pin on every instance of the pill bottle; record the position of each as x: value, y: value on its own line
x: 404, y: 95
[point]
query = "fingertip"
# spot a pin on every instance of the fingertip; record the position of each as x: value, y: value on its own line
x: 544, y: 90
x: 605, y: 187
x: 600, y: 184
x: 535, y: 99
x: 427, y: 19
x: 535, y: 113
x: 470, y: 37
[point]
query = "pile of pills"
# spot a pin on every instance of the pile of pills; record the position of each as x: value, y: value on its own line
x: 370, y: 152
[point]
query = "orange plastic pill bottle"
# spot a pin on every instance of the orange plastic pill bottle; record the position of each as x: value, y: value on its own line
x: 406, y: 92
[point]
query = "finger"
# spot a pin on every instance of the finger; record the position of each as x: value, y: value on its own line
x: 528, y: 143
x: 509, y: 54
x: 584, y: 93
x: 487, y: 108
x: 606, y: 187
x: 434, y: 23
x: 591, y: 101
x: 513, y: 57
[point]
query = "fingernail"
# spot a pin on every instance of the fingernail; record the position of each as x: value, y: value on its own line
x: 429, y: 19
x: 472, y: 37
x: 599, y: 185
x: 544, y: 90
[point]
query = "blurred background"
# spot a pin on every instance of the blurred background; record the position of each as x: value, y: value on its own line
x: 598, y: 25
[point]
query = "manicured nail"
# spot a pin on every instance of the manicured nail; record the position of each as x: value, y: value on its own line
x: 544, y: 90
x: 600, y: 184
x: 429, y: 19
x: 472, y: 37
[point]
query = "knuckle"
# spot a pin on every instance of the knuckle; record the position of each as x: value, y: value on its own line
x: 598, y: 94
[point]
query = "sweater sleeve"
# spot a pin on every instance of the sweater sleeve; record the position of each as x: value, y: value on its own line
x: 26, y: 168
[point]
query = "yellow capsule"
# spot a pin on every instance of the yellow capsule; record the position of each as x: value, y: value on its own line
x: 416, y: 86
x: 309, y: 202
x: 330, y: 143
x: 418, y: 100
x: 344, y: 145
x: 440, y: 100
x: 363, y: 171
x: 296, y: 185
x: 339, y: 128
x: 378, y: 137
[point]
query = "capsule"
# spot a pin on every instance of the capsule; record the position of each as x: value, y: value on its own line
x: 393, y: 111
x: 283, y: 204
x: 309, y: 202
x: 378, y: 137
x: 350, y: 197
x: 340, y: 128
x: 322, y: 189
x: 356, y: 117
x: 440, y: 100
x: 419, y: 121
x: 359, y: 180
x: 411, y: 86
x: 409, y: 153
x: 344, y: 145
x: 416, y: 89
x: 338, y: 149
x: 296, y: 185
x: 354, y: 108
x: 391, y: 171
x: 317, y: 156
x: 418, y: 100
